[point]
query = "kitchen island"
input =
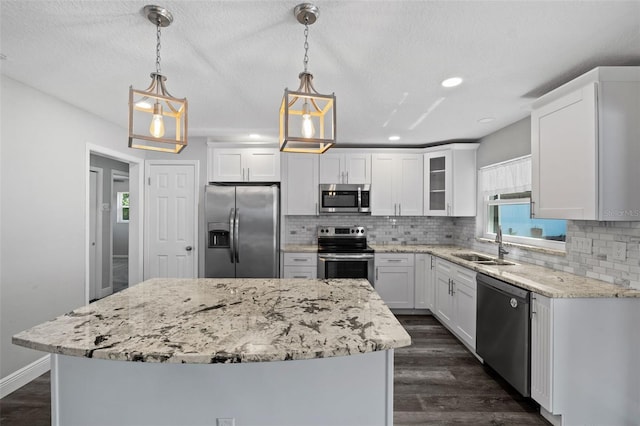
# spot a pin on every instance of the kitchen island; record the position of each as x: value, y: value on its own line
x: 191, y: 351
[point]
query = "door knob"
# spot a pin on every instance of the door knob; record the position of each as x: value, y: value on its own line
x: 189, y: 248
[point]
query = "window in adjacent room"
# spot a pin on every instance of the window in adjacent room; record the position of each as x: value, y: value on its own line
x: 122, y: 200
x: 505, y: 191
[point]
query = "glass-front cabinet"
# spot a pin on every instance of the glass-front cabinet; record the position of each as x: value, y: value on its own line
x: 450, y: 181
x: 437, y: 189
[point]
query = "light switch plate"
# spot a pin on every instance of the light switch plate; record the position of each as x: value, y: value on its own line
x: 619, y: 251
x: 226, y: 422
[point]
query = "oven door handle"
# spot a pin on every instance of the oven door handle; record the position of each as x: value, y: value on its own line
x: 345, y: 257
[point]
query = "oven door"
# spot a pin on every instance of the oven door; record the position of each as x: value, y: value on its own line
x: 346, y: 265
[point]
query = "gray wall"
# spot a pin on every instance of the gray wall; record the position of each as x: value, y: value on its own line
x: 43, y: 174
x: 507, y: 143
x: 107, y: 165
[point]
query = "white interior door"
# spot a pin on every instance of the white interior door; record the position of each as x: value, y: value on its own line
x: 95, y: 232
x: 171, y: 211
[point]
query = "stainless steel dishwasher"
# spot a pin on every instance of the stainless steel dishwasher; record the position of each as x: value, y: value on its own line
x: 503, y: 330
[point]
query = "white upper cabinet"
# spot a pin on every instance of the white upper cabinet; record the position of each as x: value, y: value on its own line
x: 300, y: 184
x: 243, y: 164
x: 450, y: 181
x: 345, y: 168
x: 396, y: 184
x: 584, y: 148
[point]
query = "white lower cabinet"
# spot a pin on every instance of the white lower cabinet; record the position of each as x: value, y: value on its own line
x: 541, y: 350
x: 394, y: 280
x: 424, y: 296
x: 583, y: 366
x: 455, y: 300
x: 300, y: 265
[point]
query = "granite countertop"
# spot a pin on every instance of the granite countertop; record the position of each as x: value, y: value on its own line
x: 208, y: 320
x: 544, y: 281
x: 300, y: 248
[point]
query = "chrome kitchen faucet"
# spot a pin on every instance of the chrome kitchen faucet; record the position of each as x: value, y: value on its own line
x: 501, y: 250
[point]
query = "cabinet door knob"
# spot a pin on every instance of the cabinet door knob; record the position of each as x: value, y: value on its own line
x: 188, y: 248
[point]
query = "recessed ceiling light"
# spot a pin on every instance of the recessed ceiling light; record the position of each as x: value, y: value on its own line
x: 394, y: 138
x: 486, y: 120
x: 254, y: 136
x: 451, y: 82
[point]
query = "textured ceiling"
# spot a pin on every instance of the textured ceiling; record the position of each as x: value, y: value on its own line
x: 383, y: 59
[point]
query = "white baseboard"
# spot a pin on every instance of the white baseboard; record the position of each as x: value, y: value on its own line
x: 551, y: 418
x: 18, y: 379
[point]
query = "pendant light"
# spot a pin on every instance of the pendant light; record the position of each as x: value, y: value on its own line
x: 157, y: 120
x: 307, y: 118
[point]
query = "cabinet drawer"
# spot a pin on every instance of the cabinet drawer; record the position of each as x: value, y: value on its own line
x: 300, y: 259
x: 394, y: 259
x: 300, y: 272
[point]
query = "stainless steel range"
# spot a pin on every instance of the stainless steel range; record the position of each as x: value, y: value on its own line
x: 343, y: 253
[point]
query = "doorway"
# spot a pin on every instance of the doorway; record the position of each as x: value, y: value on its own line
x: 114, y: 200
x: 120, y: 230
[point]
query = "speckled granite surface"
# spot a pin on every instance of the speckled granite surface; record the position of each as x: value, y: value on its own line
x: 224, y: 321
x: 542, y: 280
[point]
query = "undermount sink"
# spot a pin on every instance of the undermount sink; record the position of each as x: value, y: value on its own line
x: 482, y: 259
x: 473, y: 257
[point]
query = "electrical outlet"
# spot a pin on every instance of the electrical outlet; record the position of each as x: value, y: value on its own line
x: 226, y: 422
x: 581, y: 245
x: 619, y: 251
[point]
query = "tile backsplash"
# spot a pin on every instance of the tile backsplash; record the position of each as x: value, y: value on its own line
x: 380, y: 229
x: 599, y: 263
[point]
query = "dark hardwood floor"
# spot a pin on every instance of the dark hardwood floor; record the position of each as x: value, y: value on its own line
x: 437, y: 382
x: 28, y: 406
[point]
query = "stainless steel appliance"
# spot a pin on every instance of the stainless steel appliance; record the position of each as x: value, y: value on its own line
x: 503, y: 330
x: 242, y: 231
x: 343, y: 253
x: 345, y: 199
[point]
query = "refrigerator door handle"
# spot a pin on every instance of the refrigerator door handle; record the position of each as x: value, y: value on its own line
x: 236, y: 234
x: 232, y: 213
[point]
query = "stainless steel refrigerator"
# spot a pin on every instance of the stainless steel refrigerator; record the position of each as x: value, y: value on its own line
x: 243, y: 231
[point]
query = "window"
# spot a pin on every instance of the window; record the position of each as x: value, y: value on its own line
x: 506, y: 197
x: 122, y: 199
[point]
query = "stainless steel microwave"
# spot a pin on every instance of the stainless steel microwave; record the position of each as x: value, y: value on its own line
x: 345, y: 199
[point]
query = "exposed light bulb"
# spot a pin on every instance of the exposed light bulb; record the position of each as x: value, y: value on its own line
x: 157, y: 123
x: 308, y: 129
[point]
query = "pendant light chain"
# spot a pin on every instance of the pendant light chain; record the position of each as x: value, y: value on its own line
x: 306, y: 43
x: 158, y: 47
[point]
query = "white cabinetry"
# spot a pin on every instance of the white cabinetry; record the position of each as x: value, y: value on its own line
x: 424, y: 295
x: 243, y: 164
x: 397, y: 184
x: 450, y: 181
x: 300, y: 184
x: 300, y: 265
x: 585, y: 150
x: 455, y: 300
x: 541, y: 350
x: 345, y: 168
x: 394, y: 279
x: 582, y: 362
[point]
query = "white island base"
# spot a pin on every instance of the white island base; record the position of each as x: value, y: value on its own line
x: 348, y: 390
